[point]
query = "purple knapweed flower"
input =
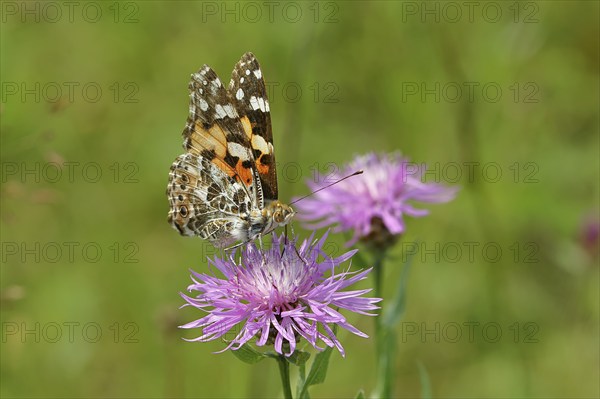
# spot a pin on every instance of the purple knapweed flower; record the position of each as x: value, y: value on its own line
x: 374, y: 203
x: 279, y: 296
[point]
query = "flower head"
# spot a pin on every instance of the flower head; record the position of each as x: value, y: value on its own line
x: 373, y: 204
x: 279, y: 296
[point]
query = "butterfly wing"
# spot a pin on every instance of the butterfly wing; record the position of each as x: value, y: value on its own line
x: 215, y: 183
x: 214, y: 129
x: 205, y: 201
x: 248, y: 93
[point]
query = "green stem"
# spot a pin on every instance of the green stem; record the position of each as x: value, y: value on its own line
x: 284, y: 371
x: 378, y: 289
x: 382, y: 336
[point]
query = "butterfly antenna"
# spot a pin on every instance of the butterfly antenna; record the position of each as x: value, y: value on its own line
x: 358, y: 172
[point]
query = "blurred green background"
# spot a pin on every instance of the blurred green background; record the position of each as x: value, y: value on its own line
x: 94, y: 98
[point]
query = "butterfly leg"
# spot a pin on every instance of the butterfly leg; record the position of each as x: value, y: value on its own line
x: 285, y: 240
x: 300, y: 256
x: 235, y: 246
x: 262, y: 253
x: 260, y: 242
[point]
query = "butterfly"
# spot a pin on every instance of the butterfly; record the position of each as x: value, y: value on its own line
x: 224, y: 187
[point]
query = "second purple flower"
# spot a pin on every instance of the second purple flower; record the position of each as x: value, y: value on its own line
x: 372, y: 205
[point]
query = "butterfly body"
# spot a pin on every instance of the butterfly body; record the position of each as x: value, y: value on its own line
x: 224, y: 188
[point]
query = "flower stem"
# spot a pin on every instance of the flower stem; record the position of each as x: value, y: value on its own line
x: 382, y: 335
x: 284, y: 372
x: 378, y: 288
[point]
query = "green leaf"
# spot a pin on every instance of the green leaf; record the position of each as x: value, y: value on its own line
x: 318, y: 371
x: 425, y: 381
x: 360, y: 395
x: 272, y: 354
x: 298, y: 358
x: 395, y: 308
x: 248, y: 354
x: 301, y: 380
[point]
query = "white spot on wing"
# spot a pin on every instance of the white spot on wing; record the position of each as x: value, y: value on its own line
x: 261, y: 103
x: 254, y: 103
x: 215, y: 84
x: 239, y: 94
x: 220, y: 113
x: 260, y: 143
x: 247, y: 72
x: 258, y: 74
x: 267, y: 109
x: 203, y: 105
x: 230, y: 111
x: 238, y: 150
x: 242, y: 79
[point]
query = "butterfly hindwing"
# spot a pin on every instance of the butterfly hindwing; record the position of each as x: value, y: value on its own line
x: 205, y: 201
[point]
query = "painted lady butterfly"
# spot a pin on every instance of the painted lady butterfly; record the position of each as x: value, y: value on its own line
x: 224, y: 188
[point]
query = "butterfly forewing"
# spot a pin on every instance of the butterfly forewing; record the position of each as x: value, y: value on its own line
x: 248, y: 91
x: 214, y: 129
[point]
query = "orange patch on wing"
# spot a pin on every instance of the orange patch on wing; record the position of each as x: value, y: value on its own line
x: 244, y: 174
x: 240, y: 173
x: 261, y: 167
x: 211, y: 139
x: 247, y: 127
